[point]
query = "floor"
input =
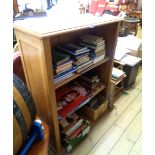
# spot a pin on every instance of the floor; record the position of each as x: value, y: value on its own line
x: 118, y: 132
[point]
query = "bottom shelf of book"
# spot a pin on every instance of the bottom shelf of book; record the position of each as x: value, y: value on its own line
x: 75, y: 133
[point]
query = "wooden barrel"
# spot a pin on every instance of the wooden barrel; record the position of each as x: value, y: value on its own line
x: 24, y: 113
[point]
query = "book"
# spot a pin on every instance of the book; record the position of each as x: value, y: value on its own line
x: 71, y: 97
x: 68, y: 122
x: 94, y: 55
x: 98, y: 49
x: 60, y: 48
x: 56, y: 81
x: 95, y: 44
x: 61, y: 75
x: 90, y: 86
x: 76, y: 132
x: 62, y: 68
x: 98, y: 59
x: 74, y: 127
x: 60, y: 58
x: 91, y: 38
x: 81, y: 60
x: 74, y: 48
x: 63, y: 65
x: 117, y: 73
x: 89, y: 77
x: 84, y: 66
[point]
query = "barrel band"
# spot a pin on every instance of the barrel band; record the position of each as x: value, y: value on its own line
x: 20, y: 119
x: 20, y: 86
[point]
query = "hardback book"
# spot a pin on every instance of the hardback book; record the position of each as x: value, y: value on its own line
x: 74, y: 127
x: 59, y: 58
x: 77, y: 131
x: 94, y: 55
x: 78, y: 57
x: 63, y: 65
x: 93, y: 47
x: 60, y: 79
x: 90, y: 86
x: 95, y: 44
x: 84, y: 66
x: 98, y: 59
x: 89, y: 76
x: 68, y: 122
x: 62, y: 68
x: 74, y: 48
x: 91, y: 38
x: 98, y: 49
x: 117, y: 73
x: 69, y: 52
x: 61, y: 75
x: 81, y: 60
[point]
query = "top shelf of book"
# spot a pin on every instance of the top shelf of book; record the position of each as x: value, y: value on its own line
x: 56, y: 86
x: 52, y: 25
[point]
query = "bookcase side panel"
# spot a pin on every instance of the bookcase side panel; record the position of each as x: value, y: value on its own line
x: 36, y: 58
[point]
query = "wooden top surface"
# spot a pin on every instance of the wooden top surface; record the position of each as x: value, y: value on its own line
x: 54, y: 25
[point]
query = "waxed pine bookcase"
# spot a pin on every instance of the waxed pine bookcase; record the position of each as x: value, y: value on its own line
x: 37, y: 38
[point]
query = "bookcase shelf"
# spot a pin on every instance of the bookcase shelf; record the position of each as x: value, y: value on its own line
x: 93, y: 94
x: 56, y: 86
x: 37, y: 39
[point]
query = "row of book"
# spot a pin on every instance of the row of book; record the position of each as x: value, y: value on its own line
x: 73, y: 129
x: 75, y: 57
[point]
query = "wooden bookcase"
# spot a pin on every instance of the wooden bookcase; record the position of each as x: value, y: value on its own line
x: 37, y: 38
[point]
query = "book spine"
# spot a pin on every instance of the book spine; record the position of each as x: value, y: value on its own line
x: 63, y: 69
x: 74, y: 127
x: 73, y: 69
x: 98, y: 59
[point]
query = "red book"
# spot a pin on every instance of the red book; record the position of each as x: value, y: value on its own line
x: 76, y: 132
x: 70, y: 97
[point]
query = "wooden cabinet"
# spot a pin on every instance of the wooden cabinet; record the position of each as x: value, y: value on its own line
x: 37, y: 38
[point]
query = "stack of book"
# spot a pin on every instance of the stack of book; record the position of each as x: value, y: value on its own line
x: 79, y: 55
x: 96, y: 44
x: 62, y: 66
x: 117, y: 74
x: 73, y: 129
x: 70, y: 98
x: 90, y: 80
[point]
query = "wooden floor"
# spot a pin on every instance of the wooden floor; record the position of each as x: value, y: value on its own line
x: 118, y: 132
